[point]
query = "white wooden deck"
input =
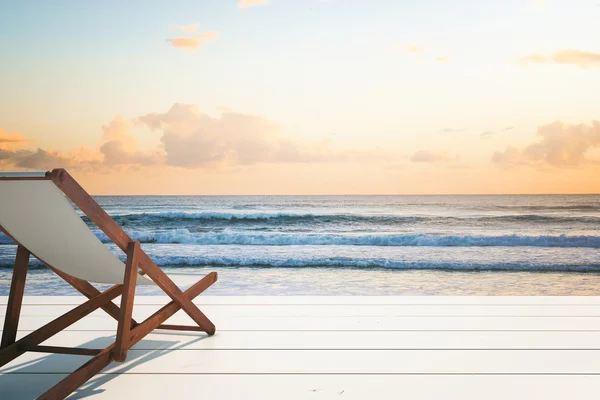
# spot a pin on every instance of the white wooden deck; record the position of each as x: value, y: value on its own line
x: 333, y: 348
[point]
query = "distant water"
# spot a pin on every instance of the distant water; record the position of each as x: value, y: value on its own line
x: 368, y: 245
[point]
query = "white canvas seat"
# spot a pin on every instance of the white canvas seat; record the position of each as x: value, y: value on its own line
x: 39, y: 216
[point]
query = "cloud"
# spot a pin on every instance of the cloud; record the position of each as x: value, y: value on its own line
x: 189, y: 138
x: 5, y: 154
x: 14, y: 152
x: 193, y: 43
x: 442, y: 59
x: 488, y: 134
x: 40, y: 159
x: 119, y: 147
x: 567, y: 57
x: 251, y: 3
x: 196, y: 39
x: 116, y: 149
x: 193, y: 139
x: 562, y: 145
x: 11, y: 141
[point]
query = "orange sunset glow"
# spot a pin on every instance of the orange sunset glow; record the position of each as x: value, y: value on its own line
x: 315, y: 97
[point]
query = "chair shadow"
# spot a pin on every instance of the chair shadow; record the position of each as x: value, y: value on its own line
x: 32, y: 378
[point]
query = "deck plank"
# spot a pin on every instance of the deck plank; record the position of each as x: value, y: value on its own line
x: 171, y: 361
x: 361, y: 323
x: 311, y: 387
x: 323, y: 300
x: 282, y: 340
x: 350, y: 310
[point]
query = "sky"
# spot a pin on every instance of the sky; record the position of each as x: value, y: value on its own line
x: 304, y: 96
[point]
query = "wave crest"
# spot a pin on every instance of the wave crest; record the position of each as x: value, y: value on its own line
x: 214, y: 217
x: 184, y: 236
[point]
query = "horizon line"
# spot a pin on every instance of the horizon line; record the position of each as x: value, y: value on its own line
x: 350, y: 194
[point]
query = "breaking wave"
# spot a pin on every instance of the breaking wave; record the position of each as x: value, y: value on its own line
x: 309, y: 218
x: 184, y: 236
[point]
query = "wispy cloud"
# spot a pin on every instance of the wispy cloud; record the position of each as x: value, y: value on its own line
x: 196, y: 39
x: 195, y: 42
x: 569, y: 57
x: 490, y: 133
x: 251, y: 3
x: 11, y: 141
x: 562, y: 145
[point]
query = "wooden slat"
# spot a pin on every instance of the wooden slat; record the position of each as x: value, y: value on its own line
x: 329, y: 362
x: 281, y: 340
x: 356, y: 323
x: 180, y: 328
x: 313, y: 387
x: 17, y: 288
x: 346, y: 310
x: 333, y: 300
x: 127, y: 298
x: 63, y: 350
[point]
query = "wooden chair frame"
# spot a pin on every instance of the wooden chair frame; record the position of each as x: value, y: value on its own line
x: 129, y: 331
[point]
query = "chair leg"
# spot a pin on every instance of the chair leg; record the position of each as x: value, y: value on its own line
x: 155, y: 320
x: 173, y: 291
x: 15, y: 298
x: 124, y: 326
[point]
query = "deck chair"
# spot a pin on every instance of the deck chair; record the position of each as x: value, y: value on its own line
x: 36, y: 213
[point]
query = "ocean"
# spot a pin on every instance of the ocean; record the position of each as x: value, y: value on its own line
x: 358, y: 245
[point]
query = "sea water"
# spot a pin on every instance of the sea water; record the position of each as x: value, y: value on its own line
x: 367, y: 245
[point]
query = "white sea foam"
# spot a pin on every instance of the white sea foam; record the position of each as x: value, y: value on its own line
x: 184, y: 236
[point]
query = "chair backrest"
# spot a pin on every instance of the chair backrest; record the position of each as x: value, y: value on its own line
x: 36, y: 213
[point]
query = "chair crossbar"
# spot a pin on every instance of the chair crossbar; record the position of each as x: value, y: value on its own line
x: 79, y: 351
